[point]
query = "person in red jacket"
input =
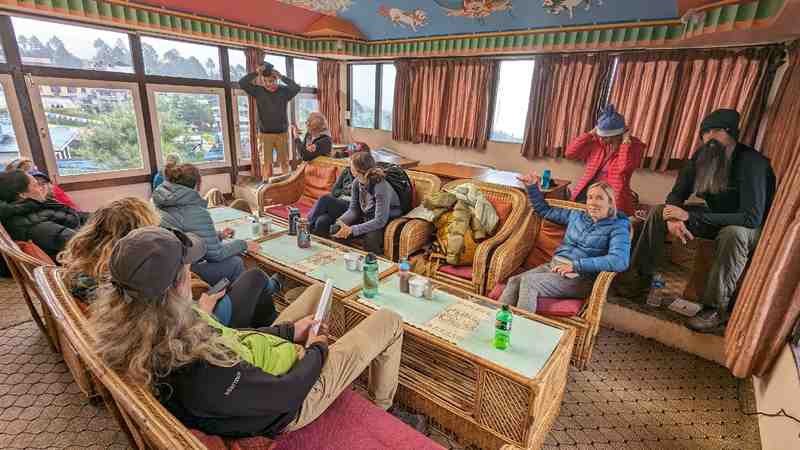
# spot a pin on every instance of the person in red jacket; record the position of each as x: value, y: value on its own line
x: 611, y: 155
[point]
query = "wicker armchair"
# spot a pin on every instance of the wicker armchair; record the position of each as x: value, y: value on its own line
x: 424, y: 185
x: 510, y: 257
x: 417, y: 234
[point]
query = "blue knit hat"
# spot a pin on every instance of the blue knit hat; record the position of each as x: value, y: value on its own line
x: 610, y: 123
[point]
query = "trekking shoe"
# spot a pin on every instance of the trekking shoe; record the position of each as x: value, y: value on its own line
x: 415, y: 421
x: 707, y: 320
x: 276, y: 282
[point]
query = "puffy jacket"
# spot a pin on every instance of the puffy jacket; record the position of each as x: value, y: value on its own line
x: 593, y: 247
x: 184, y: 209
x: 619, y: 166
x: 49, y: 224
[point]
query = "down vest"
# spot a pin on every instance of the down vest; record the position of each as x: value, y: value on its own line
x: 49, y: 224
x: 593, y: 247
x: 184, y: 209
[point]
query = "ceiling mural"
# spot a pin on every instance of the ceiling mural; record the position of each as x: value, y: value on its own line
x: 331, y: 7
x: 404, y: 18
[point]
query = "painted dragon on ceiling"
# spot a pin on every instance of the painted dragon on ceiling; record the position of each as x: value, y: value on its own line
x: 473, y: 9
x: 559, y: 6
x: 330, y: 7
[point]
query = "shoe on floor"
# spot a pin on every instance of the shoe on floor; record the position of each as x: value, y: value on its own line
x: 415, y: 421
x: 707, y: 320
x: 276, y: 282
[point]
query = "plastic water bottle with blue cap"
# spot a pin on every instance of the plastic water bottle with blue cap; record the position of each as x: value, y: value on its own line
x: 654, y: 298
x: 545, y: 183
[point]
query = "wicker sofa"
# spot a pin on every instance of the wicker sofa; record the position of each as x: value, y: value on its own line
x: 532, y: 244
x: 512, y: 207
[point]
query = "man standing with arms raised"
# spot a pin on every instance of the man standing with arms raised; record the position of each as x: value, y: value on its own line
x: 272, y: 100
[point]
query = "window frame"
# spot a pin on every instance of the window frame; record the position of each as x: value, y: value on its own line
x: 376, y: 106
x: 43, y: 131
x: 15, y: 113
x: 495, y: 90
x: 168, y: 79
x: 153, y: 88
x: 379, y: 102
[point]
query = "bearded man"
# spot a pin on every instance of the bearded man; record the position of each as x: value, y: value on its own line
x: 737, y: 184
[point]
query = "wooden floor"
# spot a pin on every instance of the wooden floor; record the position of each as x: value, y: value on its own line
x: 636, y: 394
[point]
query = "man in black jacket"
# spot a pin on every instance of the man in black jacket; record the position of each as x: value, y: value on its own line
x: 272, y: 100
x: 737, y: 184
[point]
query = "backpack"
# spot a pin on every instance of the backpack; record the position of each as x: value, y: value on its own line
x: 399, y: 181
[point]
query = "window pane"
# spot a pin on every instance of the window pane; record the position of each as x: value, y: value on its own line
x: 190, y: 126
x: 243, y: 107
x: 278, y: 61
x: 9, y: 147
x: 305, y: 72
x: 511, y: 106
x: 387, y: 95
x: 91, y: 129
x: 237, y: 63
x: 305, y: 104
x: 362, y: 111
x: 180, y: 59
x: 54, y: 44
x: 2, y: 53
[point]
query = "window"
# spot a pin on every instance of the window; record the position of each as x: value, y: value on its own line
x: 305, y: 104
x: 54, y: 44
x: 305, y: 72
x: 89, y: 127
x: 188, y: 121
x: 2, y: 53
x: 13, y: 141
x: 511, y: 102
x: 242, y: 119
x: 180, y: 59
x: 362, y: 107
x: 387, y: 95
x: 278, y: 61
x: 237, y: 63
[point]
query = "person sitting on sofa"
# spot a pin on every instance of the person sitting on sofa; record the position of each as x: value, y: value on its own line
x: 182, y: 208
x: 223, y: 381
x: 53, y: 190
x: 158, y: 178
x: 597, y: 240
x: 317, y: 141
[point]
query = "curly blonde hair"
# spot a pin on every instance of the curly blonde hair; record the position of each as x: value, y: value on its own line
x: 144, y: 341
x: 89, y: 251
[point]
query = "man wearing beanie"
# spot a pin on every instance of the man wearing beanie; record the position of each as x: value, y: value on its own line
x: 272, y: 100
x: 737, y: 184
x: 611, y: 155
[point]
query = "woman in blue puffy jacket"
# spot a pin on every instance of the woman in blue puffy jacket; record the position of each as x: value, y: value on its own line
x: 597, y: 240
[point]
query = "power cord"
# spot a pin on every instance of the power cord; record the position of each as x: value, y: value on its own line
x: 781, y: 413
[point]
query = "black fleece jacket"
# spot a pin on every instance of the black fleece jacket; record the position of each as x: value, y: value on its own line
x: 272, y: 116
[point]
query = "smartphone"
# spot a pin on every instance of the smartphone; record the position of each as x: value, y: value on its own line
x: 220, y: 286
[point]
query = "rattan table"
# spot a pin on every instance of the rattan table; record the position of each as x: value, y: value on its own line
x: 466, y: 387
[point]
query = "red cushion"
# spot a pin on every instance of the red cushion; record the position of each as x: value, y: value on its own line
x: 33, y: 250
x: 546, y: 306
x: 304, y: 205
x: 547, y: 241
x: 464, y: 272
x: 503, y: 208
x: 319, y: 180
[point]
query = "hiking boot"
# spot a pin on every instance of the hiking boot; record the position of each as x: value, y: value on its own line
x: 707, y: 320
x: 275, y: 282
x: 415, y: 421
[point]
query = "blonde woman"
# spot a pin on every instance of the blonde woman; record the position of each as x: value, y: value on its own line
x: 222, y: 381
x: 597, y: 240
x: 317, y: 141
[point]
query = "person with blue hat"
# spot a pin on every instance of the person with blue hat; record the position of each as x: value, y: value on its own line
x: 611, y: 155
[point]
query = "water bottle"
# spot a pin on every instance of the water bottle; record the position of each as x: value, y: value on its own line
x: 303, y: 234
x: 546, y: 179
x: 502, y: 328
x: 654, y: 297
x: 404, y: 275
x: 370, y: 276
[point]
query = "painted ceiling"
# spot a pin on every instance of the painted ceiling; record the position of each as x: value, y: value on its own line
x: 398, y: 19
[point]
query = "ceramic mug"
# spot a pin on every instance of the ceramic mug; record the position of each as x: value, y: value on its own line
x: 353, y: 261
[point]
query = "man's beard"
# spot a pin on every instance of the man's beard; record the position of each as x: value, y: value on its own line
x: 712, y: 169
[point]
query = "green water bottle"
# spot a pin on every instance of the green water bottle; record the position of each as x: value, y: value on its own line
x: 370, y: 276
x: 502, y: 328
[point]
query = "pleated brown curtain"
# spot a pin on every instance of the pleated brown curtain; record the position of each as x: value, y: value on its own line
x: 654, y: 76
x: 444, y: 102
x: 769, y: 302
x: 254, y: 58
x: 328, y: 93
x: 566, y: 92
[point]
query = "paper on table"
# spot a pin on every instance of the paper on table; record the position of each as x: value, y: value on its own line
x: 458, y: 320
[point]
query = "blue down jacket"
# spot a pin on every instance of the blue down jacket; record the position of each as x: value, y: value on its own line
x: 592, y: 247
x: 184, y: 209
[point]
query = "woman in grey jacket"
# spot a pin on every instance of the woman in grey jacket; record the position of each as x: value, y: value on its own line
x: 182, y: 207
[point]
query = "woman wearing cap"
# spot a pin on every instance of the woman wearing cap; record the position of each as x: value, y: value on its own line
x: 317, y: 141
x: 611, y: 155
x: 597, y: 240
x: 219, y: 380
x: 54, y: 190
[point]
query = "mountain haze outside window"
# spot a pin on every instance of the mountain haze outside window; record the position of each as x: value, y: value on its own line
x: 511, y: 102
x: 180, y: 59
x: 362, y: 109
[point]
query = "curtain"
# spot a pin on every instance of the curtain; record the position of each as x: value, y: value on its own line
x: 769, y: 302
x: 444, y: 102
x: 329, y: 92
x: 566, y: 92
x: 255, y: 57
x: 654, y: 76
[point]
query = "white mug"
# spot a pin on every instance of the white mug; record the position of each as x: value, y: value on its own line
x: 352, y: 261
x: 416, y: 287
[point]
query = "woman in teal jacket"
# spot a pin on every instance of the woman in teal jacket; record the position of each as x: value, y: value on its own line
x: 597, y: 240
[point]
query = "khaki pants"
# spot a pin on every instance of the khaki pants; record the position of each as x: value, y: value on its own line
x: 278, y: 141
x: 375, y: 343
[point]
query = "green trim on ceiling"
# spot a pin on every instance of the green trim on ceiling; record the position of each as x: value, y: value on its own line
x: 627, y: 35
